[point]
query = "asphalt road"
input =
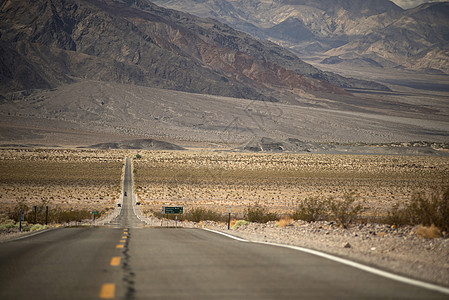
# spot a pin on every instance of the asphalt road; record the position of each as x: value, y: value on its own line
x: 127, y: 217
x: 132, y: 261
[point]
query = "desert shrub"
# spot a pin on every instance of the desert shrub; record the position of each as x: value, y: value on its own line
x: 433, y: 209
x: 397, y: 216
x: 427, y: 210
x: 428, y: 232
x: 37, y: 227
x: 15, y: 212
x: 345, y: 211
x: 8, y: 225
x: 285, y: 221
x: 62, y: 216
x: 199, y: 214
x: 310, y: 210
x: 259, y: 214
x: 239, y: 223
x: 156, y: 213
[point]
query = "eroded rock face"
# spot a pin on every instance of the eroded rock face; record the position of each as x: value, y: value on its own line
x: 48, y: 43
x: 349, y: 29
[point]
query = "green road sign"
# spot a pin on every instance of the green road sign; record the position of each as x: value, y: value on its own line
x: 172, y: 210
x: 95, y: 212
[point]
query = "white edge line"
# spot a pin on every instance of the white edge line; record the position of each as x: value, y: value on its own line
x: 227, y: 235
x: 347, y: 262
x: 134, y: 198
x: 31, y: 234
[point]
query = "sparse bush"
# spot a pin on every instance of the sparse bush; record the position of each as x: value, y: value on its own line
x: 345, y: 211
x: 423, y: 210
x: 397, y: 216
x: 259, y: 214
x: 37, y: 227
x: 8, y: 225
x: 239, y: 223
x: 138, y: 156
x: 286, y: 221
x: 66, y: 216
x: 433, y: 209
x: 201, y: 214
x: 431, y: 232
x: 310, y: 210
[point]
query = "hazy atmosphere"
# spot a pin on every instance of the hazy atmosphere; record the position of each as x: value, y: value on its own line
x: 204, y: 149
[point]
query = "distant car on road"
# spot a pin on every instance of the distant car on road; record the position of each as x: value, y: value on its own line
x: 119, y: 205
x: 125, y: 194
x: 137, y: 203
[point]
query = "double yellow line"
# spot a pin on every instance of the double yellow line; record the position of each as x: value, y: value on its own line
x: 107, y: 290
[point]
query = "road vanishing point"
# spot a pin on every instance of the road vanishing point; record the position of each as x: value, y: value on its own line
x: 127, y: 259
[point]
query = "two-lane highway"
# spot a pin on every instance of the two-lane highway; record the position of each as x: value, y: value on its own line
x: 126, y: 260
x: 127, y: 217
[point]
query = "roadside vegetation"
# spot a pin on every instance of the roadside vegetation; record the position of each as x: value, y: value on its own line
x: 430, y: 210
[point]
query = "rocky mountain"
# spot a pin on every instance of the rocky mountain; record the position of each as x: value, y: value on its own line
x: 47, y: 43
x: 350, y: 30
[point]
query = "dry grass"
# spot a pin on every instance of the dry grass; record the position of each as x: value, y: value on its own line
x: 285, y: 221
x: 428, y: 232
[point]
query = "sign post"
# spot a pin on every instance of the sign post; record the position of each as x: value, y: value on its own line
x: 20, y: 219
x: 229, y: 218
x: 94, y: 212
x: 172, y: 210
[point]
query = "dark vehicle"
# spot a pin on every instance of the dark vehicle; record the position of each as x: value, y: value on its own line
x: 125, y: 194
x: 119, y: 205
x: 137, y: 203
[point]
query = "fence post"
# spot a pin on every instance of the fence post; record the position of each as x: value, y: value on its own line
x: 20, y: 219
x: 229, y: 219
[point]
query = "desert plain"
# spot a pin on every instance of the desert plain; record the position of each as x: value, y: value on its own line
x: 89, y: 179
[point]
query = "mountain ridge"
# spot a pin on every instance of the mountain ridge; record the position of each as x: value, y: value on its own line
x: 140, y: 43
x: 415, y: 39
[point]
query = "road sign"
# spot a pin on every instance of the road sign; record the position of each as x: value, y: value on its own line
x: 172, y: 210
x: 94, y: 212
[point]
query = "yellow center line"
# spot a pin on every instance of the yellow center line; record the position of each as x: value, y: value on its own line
x: 115, y: 261
x: 124, y: 237
x: 107, y: 291
x: 119, y: 246
x: 122, y: 241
